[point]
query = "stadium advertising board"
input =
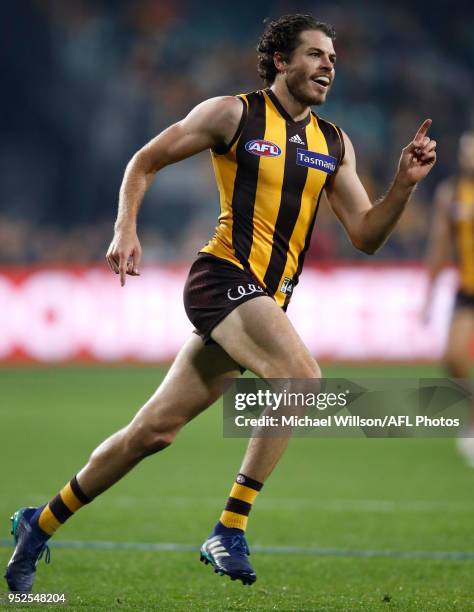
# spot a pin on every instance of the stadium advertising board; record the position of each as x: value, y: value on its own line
x: 342, y: 312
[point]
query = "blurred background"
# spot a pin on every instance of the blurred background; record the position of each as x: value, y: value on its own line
x: 88, y: 82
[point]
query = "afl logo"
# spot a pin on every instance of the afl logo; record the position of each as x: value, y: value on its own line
x: 263, y: 148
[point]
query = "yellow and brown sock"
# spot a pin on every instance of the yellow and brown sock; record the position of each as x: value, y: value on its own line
x: 239, y: 504
x: 61, y: 507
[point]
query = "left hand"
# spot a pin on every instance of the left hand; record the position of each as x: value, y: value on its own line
x: 417, y: 158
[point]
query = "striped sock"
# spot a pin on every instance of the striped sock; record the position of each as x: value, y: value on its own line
x: 239, y: 504
x: 60, y: 508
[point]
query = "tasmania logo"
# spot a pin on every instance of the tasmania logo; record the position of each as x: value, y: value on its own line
x: 263, y: 148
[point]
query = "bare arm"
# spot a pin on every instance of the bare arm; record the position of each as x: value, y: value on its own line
x: 210, y: 124
x: 369, y: 226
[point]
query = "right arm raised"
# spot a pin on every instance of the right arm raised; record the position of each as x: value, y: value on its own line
x: 211, y: 124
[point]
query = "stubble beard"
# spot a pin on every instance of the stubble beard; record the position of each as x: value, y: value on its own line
x: 299, y: 94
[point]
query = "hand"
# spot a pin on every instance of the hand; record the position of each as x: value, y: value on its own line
x: 124, y: 254
x: 417, y: 158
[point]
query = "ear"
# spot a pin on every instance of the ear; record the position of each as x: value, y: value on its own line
x: 279, y: 61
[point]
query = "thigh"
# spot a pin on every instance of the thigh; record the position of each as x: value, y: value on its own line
x: 194, y: 381
x: 460, y: 332
x: 213, y: 289
x: 259, y: 336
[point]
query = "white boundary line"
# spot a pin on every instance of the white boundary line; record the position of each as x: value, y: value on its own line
x: 269, y: 550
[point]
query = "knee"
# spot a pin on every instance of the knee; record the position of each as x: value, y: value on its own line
x: 307, y: 369
x: 144, y: 439
x: 298, y: 368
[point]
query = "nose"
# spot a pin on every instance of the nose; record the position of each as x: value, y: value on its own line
x: 326, y: 62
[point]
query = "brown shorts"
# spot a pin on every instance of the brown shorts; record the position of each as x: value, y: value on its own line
x: 464, y: 300
x: 213, y: 289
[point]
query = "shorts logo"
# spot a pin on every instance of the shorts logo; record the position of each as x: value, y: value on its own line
x: 287, y: 286
x: 240, y: 291
x: 263, y: 148
x: 318, y: 161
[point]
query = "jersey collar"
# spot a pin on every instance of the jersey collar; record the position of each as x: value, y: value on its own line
x: 280, y: 108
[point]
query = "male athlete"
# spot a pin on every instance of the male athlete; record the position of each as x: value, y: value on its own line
x: 453, y: 224
x: 272, y: 158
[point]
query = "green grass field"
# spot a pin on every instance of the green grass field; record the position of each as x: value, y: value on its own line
x: 364, y: 518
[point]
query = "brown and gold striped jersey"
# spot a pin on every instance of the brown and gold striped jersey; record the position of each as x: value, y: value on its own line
x: 462, y: 219
x: 270, y: 180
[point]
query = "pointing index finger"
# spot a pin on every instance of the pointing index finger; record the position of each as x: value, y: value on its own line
x: 422, y: 130
x: 122, y: 270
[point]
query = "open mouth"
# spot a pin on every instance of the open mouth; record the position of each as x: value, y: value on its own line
x: 323, y: 81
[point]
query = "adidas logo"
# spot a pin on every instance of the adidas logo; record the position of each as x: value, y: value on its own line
x: 297, y: 139
x: 214, y: 546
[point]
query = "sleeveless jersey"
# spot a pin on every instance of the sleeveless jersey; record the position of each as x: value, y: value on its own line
x: 462, y: 219
x: 270, y: 180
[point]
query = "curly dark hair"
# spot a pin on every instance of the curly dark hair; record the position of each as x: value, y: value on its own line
x: 282, y: 35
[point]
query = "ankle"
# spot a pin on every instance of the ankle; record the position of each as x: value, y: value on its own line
x: 221, y: 529
x: 34, y: 521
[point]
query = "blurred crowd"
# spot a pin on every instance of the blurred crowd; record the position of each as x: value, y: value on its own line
x: 88, y: 82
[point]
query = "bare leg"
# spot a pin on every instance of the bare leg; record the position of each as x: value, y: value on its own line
x: 260, y: 337
x: 456, y: 357
x: 194, y: 382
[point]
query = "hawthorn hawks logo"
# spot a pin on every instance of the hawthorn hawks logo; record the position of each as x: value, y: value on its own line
x: 263, y: 148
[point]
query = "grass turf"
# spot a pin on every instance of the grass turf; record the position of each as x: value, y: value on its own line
x: 357, y: 494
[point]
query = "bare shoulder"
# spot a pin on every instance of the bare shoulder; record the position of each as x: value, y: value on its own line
x: 221, y: 106
x: 229, y: 106
x: 227, y: 113
x: 349, y: 153
x: 345, y: 136
x: 220, y: 116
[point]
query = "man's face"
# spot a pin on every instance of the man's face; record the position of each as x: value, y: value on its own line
x: 310, y: 72
x: 466, y: 153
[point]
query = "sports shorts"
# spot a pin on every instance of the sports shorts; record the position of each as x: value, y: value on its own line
x: 464, y: 300
x: 213, y: 289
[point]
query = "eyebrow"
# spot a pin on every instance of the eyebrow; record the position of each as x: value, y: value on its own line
x: 332, y: 55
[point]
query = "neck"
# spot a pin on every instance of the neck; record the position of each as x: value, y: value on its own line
x: 295, y: 108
